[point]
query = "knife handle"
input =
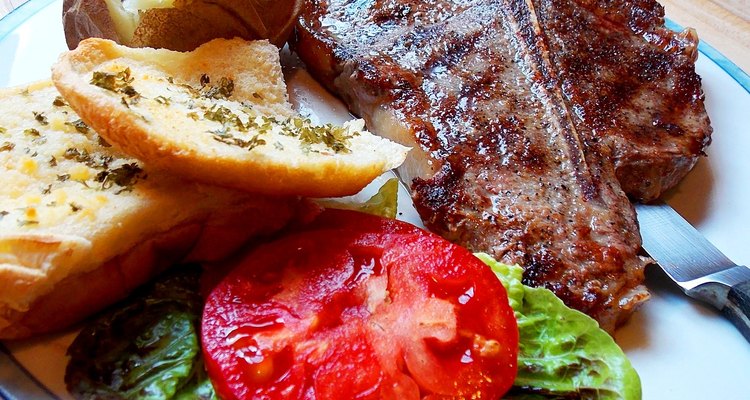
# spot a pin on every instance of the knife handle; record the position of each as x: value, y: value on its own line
x: 737, y: 307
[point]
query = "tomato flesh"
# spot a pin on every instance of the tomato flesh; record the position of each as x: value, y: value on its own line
x: 363, y: 308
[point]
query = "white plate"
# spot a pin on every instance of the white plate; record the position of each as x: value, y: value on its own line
x: 681, y: 349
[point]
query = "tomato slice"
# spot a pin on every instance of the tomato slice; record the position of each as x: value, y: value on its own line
x: 364, y: 308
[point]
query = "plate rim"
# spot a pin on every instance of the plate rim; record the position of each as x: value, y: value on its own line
x: 16, y: 18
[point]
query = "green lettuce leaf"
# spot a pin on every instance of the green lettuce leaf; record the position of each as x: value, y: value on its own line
x: 384, y: 203
x: 562, y: 352
x: 199, y: 387
x: 147, y: 348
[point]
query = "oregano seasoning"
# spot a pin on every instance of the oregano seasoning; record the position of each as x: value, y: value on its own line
x: 58, y: 102
x: 32, y: 132
x: 40, y: 117
x: 119, y: 82
x: 79, y: 126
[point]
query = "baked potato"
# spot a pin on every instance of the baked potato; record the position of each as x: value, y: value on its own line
x: 180, y: 25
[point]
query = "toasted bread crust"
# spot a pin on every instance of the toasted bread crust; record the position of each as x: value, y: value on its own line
x: 183, y: 139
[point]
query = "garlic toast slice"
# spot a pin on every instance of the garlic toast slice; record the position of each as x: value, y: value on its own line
x: 217, y: 115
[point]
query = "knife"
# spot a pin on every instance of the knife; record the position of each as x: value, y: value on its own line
x: 691, y: 261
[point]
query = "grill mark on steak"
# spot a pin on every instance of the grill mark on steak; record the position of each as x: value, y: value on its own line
x: 510, y: 156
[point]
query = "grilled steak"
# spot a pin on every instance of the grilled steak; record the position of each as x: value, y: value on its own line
x: 525, y: 118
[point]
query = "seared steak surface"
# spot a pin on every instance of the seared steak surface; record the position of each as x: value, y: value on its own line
x: 522, y: 116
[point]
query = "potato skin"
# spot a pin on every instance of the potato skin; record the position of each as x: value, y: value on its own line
x: 186, y: 26
x: 87, y: 18
x: 185, y: 30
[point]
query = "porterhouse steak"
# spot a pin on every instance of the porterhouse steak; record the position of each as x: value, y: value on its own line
x: 527, y: 120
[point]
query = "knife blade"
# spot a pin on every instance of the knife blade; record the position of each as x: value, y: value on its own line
x: 694, y: 264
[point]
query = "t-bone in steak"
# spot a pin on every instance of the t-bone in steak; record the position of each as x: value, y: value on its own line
x: 527, y: 121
